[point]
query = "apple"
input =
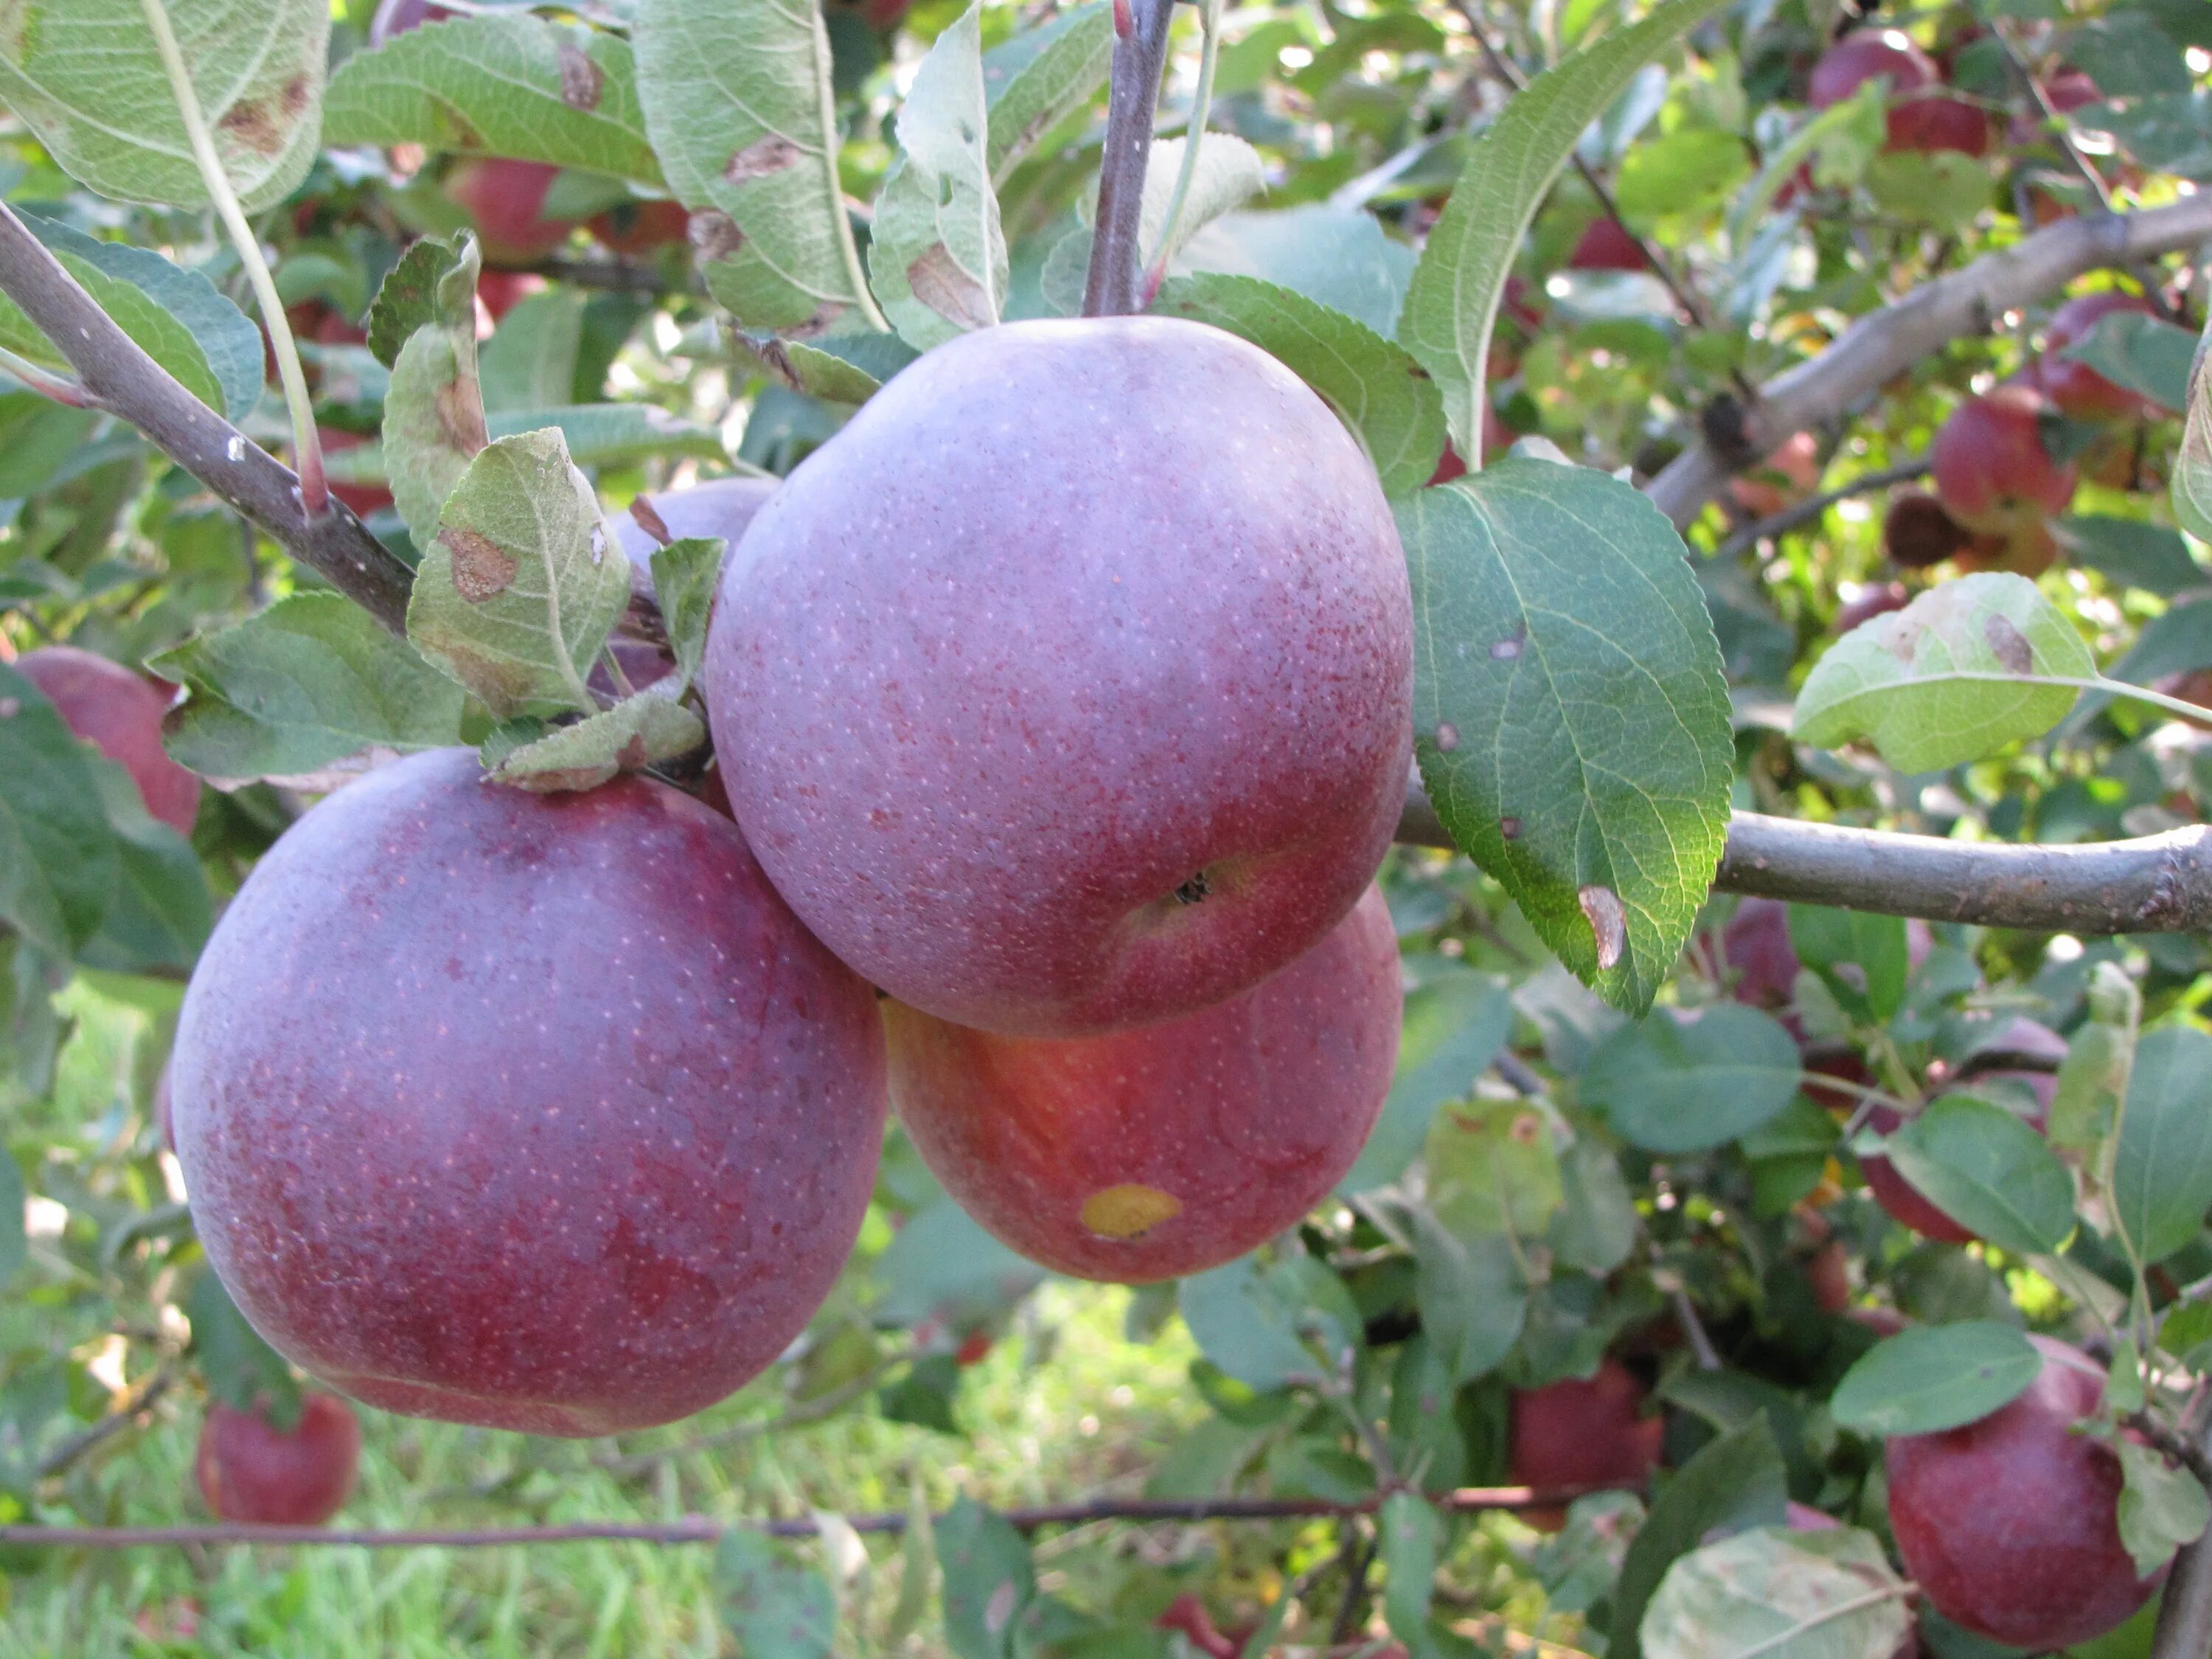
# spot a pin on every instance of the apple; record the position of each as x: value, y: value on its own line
x: 249, y: 1469
x: 1069, y: 684
x: 119, y: 713
x: 1755, y: 943
x: 1170, y: 1148
x: 1904, y: 1201
x: 2010, y: 1525
x: 1872, y: 600
x: 398, y: 16
x: 1604, y: 245
x: 538, y: 1112
x: 1583, y: 1432
x: 1786, y: 477
x: 1918, y: 533
x: 640, y: 227
x: 2074, y: 388
x: 506, y: 201
x: 1992, y: 472
x: 1918, y: 120
x: 720, y: 506
x: 1497, y: 439
x: 500, y: 291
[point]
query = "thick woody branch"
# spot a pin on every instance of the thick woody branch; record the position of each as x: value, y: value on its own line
x: 1887, y: 343
x: 121, y: 379
x: 1115, y: 285
x: 704, y: 1529
x: 2159, y: 884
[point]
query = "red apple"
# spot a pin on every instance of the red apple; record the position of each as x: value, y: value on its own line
x: 501, y: 291
x: 1917, y: 120
x: 1583, y: 1432
x: 1756, y: 943
x: 1992, y: 472
x: 1042, y: 753
x: 2077, y: 389
x: 119, y: 713
x: 398, y: 16
x: 2010, y: 1525
x: 1786, y: 477
x: 540, y: 1112
x: 251, y: 1470
x: 1605, y: 245
x: 1874, y: 599
x: 506, y: 201
x: 1172, y: 1147
x: 1918, y: 533
x: 641, y: 227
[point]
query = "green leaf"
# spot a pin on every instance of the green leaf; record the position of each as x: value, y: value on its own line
x: 15, y: 1244
x: 433, y: 286
x: 1268, y: 1325
x: 2161, y: 1508
x: 1373, y: 385
x: 1454, y: 1027
x: 943, y: 1266
x: 59, y: 862
x: 2186, y: 1333
x: 1039, y: 77
x: 988, y: 1581
x: 1407, y: 1534
x: 513, y: 86
x: 1671, y: 1084
x: 634, y: 734
x: 2162, y: 1169
x: 517, y: 592
x: 685, y: 576
x: 917, y: 1566
x: 1944, y: 188
x: 1491, y: 1169
x: 1569, y: 714
x: 936, y: 258
x: 40, y: 440
x: 310, y: 680
x: 530, y: 362
x: 177, y: 317
x: 433, y: 418
x: 776, y: 1605
x: 1594, y: 1229
x: 1336, y: 257
x: 1736, y: 1482
x: 1989, y: 1171
x: 1229, y: 173
x: 1934, y: 1378
x: 2192, y: 466
x: 737, y: 105
x: 1863, y: 958
x: 2092, y: 1081
x: 1473, y: 1302
x: 2134, y: 554
x: 2147, y: 355
x: 1453, y: 300
x: 821, y: 369
x: 1949, y: 679
x: 242, y: 1372
x: 1691, y: 170
x: 160, y: 913
x: 85, y: 78
x: 1780, y: 1594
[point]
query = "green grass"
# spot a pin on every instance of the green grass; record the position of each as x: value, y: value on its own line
x: 1062, y: 1408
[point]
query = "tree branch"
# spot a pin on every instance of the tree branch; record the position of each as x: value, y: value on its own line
x: 704, y: 1529
x: 1886, y: 343
x: 2184, y: 1613
x: 1115, y: 285
x: 2159, y: 884
x: 123, y: 381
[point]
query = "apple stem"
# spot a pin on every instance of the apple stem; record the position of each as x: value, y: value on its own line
x: 307, y: 447
x: 1114, y: 285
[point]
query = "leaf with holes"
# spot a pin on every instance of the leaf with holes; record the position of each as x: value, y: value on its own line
x: 1373, y: 383
x: 936, y: 258
x: 1039, y: 77
x: 2162, y: 1168
x: 1935, y: 1377
x: 177, y: 317
x: 1949, y: 679
x: 1681, y: 1083
x: 737, y: 105
x: 86, y: 77
x: 513, y: 86
x: 634, y: 734
x: 433, y: 418
x: 1780, y: 1594
x: 1570, y: 716
x: 310, y: 680
x: 518, y: 590
x: 1453, y: 300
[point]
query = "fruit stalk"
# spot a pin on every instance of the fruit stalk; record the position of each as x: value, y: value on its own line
x: 1115, y: 286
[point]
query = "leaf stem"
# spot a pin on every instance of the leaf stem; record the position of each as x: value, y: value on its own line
x: 2180, y: 706
x: 1873, y: 1598
x: 307, y: 447
x: 1209, y: 24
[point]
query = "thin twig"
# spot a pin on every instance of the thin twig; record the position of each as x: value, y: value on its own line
x: 1114, y: 284
x: 2184, y: 1613
x: 704, y: 1529
x: 84, y: 1440
x: 1813, y: 508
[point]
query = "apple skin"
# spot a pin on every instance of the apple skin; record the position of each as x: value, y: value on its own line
x: 1915, y: 121
x: 119, y: 713
x: 2010, y: 1525
x: 1604, y: 245
x: 1583, y: 1432
x: 506, y: 199
x: 1992, y: 472
x: 1237, y: 1119
x: 248, y: 1469
x: 1898, y: 1196
x: 1070, y: 685
x: 540, y: 1112
x: 1756, y: 943
x: 2077, y: 389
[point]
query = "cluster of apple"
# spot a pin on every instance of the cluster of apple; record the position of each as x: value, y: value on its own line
x: 561, y: 1112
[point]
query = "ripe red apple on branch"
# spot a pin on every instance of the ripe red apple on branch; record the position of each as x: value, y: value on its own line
x: 249, y: 1469
x: 119, y: 713
x: 1919, y: 118
x: 1583, y: 1432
